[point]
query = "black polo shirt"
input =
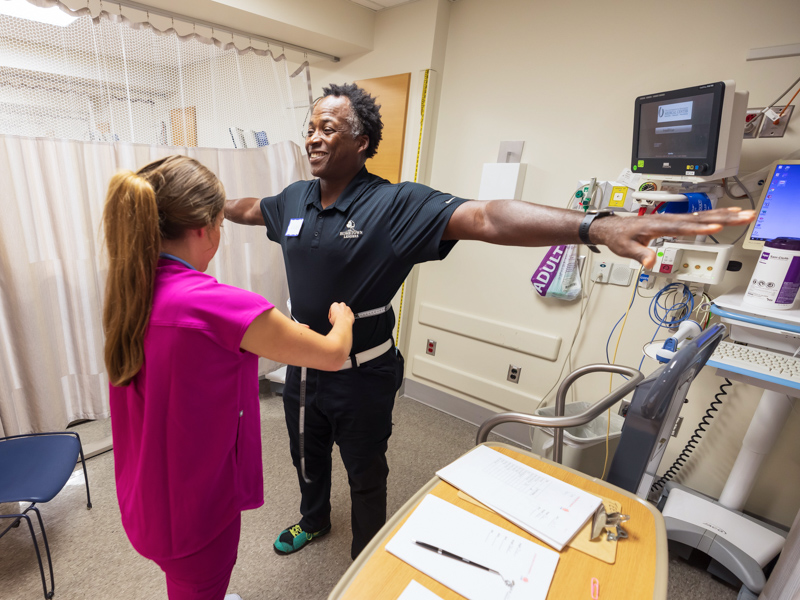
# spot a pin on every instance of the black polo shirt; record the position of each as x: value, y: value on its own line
x: 359, y: 250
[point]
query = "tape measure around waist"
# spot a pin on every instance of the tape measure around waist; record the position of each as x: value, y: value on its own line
x: 374, y: 312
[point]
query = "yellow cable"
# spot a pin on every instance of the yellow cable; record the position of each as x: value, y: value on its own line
x: 611, y: 377
x: 416, y: 173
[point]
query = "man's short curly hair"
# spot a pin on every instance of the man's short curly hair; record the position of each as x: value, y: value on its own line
x: 365, y: 115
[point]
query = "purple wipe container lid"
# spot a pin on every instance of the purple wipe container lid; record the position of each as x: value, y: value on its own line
x: 784, y: 243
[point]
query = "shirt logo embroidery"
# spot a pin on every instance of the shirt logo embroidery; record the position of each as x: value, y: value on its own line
x: 451, y: 199
x: 351, y: 232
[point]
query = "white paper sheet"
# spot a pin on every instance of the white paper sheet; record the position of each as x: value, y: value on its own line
x: 546, y: 507
x: 446, y: 526
x: 416, y: 591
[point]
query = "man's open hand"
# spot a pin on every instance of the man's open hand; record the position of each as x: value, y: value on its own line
x: 629, y: 236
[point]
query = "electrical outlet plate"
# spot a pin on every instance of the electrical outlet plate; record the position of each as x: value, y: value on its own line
x: 608, y: 272
x: 513, y: 373
x: 430, y: 348
x: 601, y: 271
x: 753, y: 124
x: 770, y: 130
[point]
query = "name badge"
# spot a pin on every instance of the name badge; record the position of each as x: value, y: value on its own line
x: 294, y: 227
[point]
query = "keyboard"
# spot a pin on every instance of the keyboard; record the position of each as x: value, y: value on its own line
x: 755, y: 362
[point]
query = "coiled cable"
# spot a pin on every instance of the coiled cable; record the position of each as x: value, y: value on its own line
x: 695, y: 439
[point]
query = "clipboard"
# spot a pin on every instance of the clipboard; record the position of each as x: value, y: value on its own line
x: 600, y: 548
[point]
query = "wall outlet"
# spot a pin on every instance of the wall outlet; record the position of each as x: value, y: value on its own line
x: 770, y: 129
x: 752, y: 122
x: 601, y: 271
x: 430, y: 348
x: 608, y: 272
x: 513, y: 373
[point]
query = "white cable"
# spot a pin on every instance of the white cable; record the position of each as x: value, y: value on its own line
x: 778, y: 99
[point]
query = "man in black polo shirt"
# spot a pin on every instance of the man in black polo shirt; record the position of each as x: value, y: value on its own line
x: 349, y: 236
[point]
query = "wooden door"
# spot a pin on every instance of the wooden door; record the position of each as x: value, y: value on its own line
x: 392, y: 94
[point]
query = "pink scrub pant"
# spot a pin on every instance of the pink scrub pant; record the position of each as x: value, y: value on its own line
x: 205, y: 574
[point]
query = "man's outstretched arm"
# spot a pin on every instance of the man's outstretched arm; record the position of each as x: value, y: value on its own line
x: 245, y: 211
x: 516, y: 223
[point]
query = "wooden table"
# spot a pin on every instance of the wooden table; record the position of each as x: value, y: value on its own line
x: 640, y: 570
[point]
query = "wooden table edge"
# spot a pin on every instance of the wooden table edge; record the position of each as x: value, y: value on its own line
x: 662, y: 556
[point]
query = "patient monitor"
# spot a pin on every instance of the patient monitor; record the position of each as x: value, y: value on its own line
x: 685, y: 142
x: 691, y: 135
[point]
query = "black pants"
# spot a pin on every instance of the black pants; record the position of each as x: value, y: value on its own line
x: 354, y: 409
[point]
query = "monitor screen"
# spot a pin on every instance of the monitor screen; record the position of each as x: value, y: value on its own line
x: 779, y: 207
x: 678, y: 132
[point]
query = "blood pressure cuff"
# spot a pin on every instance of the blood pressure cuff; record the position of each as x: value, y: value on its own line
x: 694, y: 203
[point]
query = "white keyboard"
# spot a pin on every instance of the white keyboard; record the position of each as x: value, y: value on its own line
x: 761, y: 364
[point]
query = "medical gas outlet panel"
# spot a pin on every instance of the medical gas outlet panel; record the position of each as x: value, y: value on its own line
x: 691, y: 262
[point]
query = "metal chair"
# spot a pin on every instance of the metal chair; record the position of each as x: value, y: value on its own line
x: 34, y: 468
x: 650, y: 418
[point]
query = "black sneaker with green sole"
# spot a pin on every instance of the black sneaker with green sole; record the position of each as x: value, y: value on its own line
x: 294, y: 538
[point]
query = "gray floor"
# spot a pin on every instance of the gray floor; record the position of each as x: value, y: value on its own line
x: 93, y: 559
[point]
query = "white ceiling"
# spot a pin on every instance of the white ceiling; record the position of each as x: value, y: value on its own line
x: 381, y: 4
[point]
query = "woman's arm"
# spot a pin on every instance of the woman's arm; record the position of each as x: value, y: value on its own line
x: 274, y: 336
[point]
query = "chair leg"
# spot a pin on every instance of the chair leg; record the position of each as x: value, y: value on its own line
x: 23, y: 515
x: 85, y: 473
x: 47, y: 551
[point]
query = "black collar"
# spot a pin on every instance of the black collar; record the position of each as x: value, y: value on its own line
x: 346, y: 198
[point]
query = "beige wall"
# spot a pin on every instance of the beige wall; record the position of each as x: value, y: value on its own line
x: 563, y: 77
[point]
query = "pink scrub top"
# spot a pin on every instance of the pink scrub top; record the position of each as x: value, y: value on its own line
x: 187, y: 429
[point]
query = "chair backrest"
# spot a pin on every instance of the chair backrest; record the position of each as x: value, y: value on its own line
x: 653, y: 412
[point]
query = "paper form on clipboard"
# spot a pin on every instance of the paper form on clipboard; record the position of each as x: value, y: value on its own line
x: 440, y: 523
x: 545, y: 507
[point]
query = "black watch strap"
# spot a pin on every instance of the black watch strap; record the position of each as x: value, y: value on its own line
x: 583, y: 230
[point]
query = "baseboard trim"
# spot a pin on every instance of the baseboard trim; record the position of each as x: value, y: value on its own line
x: 464, y: 410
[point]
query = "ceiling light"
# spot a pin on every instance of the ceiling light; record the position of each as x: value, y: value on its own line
x: 24, y: 10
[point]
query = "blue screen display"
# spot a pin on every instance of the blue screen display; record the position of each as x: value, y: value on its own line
x: 780, y: 208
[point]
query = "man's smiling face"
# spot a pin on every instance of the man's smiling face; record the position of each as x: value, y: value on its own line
x: 333, y: 152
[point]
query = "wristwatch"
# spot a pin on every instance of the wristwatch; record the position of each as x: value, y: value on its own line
x: 591, y: 215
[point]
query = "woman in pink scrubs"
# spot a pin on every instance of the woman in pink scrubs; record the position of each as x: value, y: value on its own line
x: 182, y: 358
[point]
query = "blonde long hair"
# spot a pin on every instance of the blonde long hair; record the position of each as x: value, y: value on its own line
x: 162, y: 200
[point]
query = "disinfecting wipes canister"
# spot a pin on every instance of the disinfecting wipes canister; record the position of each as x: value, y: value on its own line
x: 776, y: 278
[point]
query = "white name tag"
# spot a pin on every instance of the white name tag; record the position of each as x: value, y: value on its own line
x: 294, y: 227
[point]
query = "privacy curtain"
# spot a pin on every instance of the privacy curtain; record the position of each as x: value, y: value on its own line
x: 52, y: 264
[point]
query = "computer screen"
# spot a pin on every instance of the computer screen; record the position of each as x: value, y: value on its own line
x: 689, y: 132
x: 779, y: 206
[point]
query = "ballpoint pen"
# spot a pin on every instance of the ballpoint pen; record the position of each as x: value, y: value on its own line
x: 432, y: 548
